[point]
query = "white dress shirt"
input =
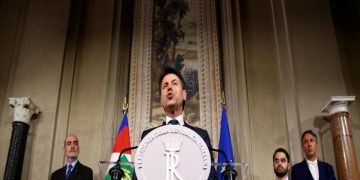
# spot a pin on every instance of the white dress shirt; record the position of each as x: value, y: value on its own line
x: 286, y: 178
x: 314, y: 169
x: 180, y: 118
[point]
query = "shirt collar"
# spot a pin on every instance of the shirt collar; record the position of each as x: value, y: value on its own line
x: 72, y: 164
x: 286, y: 178
x: 180, y: 118
x: 312, y: 162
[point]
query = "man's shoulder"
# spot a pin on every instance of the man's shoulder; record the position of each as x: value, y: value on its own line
x: 150, y: 129
x: 84, y: 167
x: 303, y: 164
x: 58, y: 173
x: 299, y: 165
x: 60, y: 169
x: 147, y: 131
x: 326, y: 170
x: 325, y: 164
x: 197, y: 129
x: 83, y: 172
x: 201, y: 132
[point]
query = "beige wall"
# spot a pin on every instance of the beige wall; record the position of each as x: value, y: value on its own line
x: 292, y: 67
x: 36, y: 48
x: 317, y: 67
x: 39, y: 69
x: 266, y: 108
x: 281, y: 63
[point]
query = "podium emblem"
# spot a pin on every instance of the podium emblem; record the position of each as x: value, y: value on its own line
x: 172, y: 159
x: 172, y: 153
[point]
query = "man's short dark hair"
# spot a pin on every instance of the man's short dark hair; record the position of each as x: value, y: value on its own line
x: 283, y: 151
x: 170, y: 70
x: 308, y: 132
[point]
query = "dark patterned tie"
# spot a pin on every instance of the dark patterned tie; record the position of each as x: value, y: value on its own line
x: 173, y: 122
x: 68, y: 171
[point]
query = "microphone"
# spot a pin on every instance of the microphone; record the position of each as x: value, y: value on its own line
x: 126, y: 149
x: 229, y: 173
x: 222, y: 153
x: 116, y: 173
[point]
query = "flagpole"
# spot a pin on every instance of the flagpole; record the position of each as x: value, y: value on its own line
x: 120, y: 170
x: 228, y: 172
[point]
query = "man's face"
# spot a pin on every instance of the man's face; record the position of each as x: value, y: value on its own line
x: 309, y: 145
x: 281, y: 164
x: 172, y: 93
x: 71, y: 147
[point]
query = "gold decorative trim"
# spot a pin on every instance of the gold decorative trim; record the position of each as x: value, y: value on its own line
x: 133, y: 72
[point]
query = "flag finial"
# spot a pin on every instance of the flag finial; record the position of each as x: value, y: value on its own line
x: 125, y: 105
x: 223, y: 98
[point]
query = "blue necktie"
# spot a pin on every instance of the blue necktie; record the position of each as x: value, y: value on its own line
x: 173, y: 122
x: 68, y: 171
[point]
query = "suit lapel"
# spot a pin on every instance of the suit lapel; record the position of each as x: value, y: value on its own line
x: 307, y: 170
x: 187, y: 125
x: 321, y: 170
x: 74, y: 173
x: 63, y: 172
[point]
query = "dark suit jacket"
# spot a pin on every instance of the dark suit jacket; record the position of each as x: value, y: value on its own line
x: 302, y: 171
x: 80, y: 172
x: 203, y: 134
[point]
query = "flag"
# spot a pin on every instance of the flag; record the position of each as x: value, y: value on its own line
x: 122, y: 141
x: 224, y: 143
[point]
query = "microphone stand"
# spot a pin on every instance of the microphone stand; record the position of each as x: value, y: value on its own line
x: 116, y: 172
x: 229, y: 173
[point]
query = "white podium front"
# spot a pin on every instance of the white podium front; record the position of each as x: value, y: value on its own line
x: 172, y: 152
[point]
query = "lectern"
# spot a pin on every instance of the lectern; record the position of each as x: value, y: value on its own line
x: 175, y: 152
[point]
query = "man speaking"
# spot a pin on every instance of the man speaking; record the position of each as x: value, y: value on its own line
x: 173, y: 97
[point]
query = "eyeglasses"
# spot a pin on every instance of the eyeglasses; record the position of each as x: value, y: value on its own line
x: 281, y: 160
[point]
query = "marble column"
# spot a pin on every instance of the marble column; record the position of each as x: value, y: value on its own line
x: 24, y: 110
x: 345, y: 158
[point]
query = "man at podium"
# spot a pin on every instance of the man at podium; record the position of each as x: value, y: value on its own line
x: 173, y: 97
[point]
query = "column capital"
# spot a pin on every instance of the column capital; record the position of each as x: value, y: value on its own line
x: 24, y: 109
x: 338, y: 104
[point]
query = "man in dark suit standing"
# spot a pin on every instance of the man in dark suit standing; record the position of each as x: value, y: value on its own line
x: 311, y: 168
x: 173, y: 97
x: 73, y: 170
